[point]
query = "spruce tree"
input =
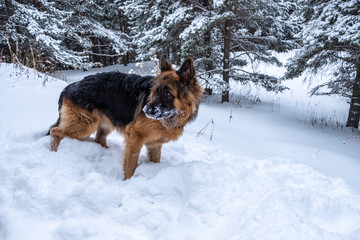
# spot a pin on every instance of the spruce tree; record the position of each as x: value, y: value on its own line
x: 243, y: 32
x: 152, y: 24
x: 331, y: 39
x: 63, y: 34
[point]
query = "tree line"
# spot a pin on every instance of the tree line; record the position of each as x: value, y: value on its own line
x: 223, y: 36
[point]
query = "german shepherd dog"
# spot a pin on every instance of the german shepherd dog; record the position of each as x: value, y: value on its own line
x: 147, y: 110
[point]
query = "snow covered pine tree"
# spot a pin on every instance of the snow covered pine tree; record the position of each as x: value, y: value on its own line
x: 331, y: 38
x: 224, y: 36
x: 241, y: 33
x: 63, y: 34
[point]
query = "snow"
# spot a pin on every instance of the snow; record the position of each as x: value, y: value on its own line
x: 266, y: 173
x: 160, y: 112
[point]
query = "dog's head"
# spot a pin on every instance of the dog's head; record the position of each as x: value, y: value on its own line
x: 175, y: 95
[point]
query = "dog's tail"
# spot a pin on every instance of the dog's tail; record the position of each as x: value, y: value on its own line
x: 56, y: 124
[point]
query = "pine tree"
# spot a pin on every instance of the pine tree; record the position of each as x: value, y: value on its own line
x: 63, y: 34
x: 199, y: 38
x: 244, y: 32
x: 151, y: 24
x: 331, y: 38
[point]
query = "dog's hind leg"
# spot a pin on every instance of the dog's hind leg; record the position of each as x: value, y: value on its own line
x: 79, y: 130
x: 154, y: 152
x: 104, y: 128
x: 57, y: 136
x: 75, y: 122
x: 101, y: 135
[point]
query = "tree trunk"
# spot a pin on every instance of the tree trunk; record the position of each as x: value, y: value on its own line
x: 125, y: 59
x: 208, y: 50
x: 9, y: 8
x: 354, y: 111
x: 226, y: 60
x: 175, y: 55
x: 123, y: 25
x: 208, y: 64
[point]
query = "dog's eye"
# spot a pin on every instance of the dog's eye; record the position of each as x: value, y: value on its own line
x: 168, y: 93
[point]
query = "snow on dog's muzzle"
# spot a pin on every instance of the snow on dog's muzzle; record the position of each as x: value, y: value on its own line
x: 159, y: 112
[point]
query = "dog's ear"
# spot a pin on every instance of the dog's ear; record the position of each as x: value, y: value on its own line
x: 187, y: 71
x: 164, y: 65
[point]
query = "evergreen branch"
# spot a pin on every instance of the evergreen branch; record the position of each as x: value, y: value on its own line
x: 240, y: 54
x: 196, y: 5
x: 106, y: 55
x: 242, y: 70
x: 349, y: 60
x: 352, y: 47
x: 241, y: 45
x: 253, y: 37
x: 210, y: 71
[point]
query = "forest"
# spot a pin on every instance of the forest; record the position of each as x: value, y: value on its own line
x: 223, y: 36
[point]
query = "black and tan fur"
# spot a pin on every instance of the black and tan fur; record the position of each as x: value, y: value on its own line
x: 147, y: 110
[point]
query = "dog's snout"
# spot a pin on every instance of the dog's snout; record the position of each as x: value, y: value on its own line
x: 159, y: 111
x: 148, y: 110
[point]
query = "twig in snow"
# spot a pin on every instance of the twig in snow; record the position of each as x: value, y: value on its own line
x: 202, y: 131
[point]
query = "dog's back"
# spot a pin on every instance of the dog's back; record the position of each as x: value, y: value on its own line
x: 115, y: 94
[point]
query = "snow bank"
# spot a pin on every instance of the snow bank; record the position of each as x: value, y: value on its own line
x: 201, y: 190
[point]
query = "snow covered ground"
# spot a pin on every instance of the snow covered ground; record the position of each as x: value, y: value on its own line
x: 270, y: 170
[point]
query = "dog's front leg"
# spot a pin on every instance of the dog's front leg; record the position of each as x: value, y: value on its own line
x: 131, y: 156
x: 154, y: 152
